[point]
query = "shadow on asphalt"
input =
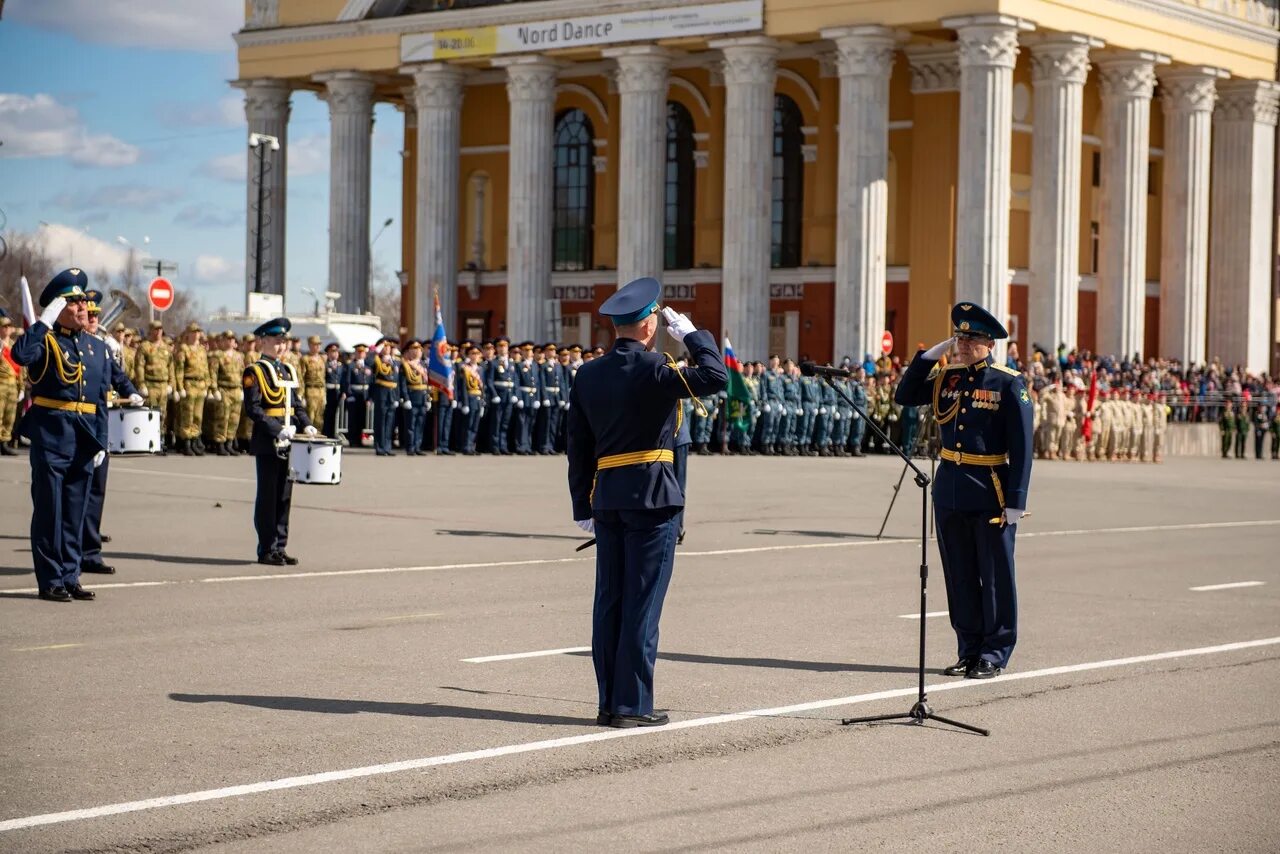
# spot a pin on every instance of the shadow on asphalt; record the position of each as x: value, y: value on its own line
x: 455, y: 532
x: 352, y: 707
x: 835, y: 535
x: 200, y: 561
x: 9, y: 594
x: 781, y: 663
x: 15, y: 570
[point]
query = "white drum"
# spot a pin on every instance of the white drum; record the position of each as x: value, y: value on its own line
x: 315, y: 461
x: 133, y: 431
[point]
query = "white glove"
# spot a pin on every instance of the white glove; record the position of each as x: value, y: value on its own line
x: 799, y: 412
x: 182, y: 392
x: 1012, y: 515
x: 113, y: 345
x: 173, y: 395
x: 768, y: 408
x: 566, y: 405
x: 453, y: 404
x: 496, y: 399
x: 822, y: 410
x: 587, y: 525
x: 428, y: 409
x: 466, y: 410
x: 287, y: 432
x: 52, y: 310
x: 856, y: 416
x: 311, y: 431
x: 537, y: 404
x: 678, y: 326
x: 217, y: 395
x: 837, y: 416
x: 519, y: 404
x: 100, y: 456
x: 937, y: 351
x: 405, y: 404
x: 135, y: 400
x: 169, y: 390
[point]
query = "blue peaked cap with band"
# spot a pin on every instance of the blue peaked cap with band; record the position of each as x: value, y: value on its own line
x: 68, y: 284
x: 633, y: 302
x: 971, y: 319
x: 93, y: 300
x: 275, y: 328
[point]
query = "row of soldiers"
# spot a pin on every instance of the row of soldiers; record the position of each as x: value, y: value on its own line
x: 1239, y: 419
x: 1124, y: 424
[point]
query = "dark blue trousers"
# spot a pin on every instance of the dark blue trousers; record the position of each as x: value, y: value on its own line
x: 635, y: 551
x: 384, y: 419
x: 271, y: 507
x: 60, y: 479
x: 548, y: 427
x: 681, y: 466
x: 524, y: 420
x: 444, y: 424
x: 977, y: 563
x: 91, y: 538
x: 499, y: 427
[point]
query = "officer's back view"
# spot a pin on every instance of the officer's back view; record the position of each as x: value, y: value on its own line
x: 623, y: 419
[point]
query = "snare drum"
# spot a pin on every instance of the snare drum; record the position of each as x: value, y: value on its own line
x: 133, y: 431
x: 315, y: 461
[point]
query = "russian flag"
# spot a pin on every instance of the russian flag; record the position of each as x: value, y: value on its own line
x: 739, y: 396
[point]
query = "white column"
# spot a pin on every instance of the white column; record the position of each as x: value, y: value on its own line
x: 1244, y: 139
x: 350, y: 97
x: 864, y: 57
x: 1187, y: 95
x: 437, y: 95
x: 749, y: 74
x: 1128, y: 78
x: 531, y: 91
x: 266, y: 106
x: 1059, y: 68
x: 988, y: 51
x: 642, y: 88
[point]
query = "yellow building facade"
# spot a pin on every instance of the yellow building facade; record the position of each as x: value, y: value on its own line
x: 802, y: 175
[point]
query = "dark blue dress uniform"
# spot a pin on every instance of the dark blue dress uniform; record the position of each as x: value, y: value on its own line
x: 415, y: 389
x: 622, y: 425
x: 265, y: 403
x: 500, y: 386
x: 550, y: 396
x: 334, y: 380
x: 385, y: 392
x: 527, y: 395
x: 91, y: 539
x: 356, y: 379
x: 67, y: 426
x: 984, y: 414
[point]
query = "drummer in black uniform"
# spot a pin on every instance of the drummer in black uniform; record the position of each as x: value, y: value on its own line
x: 278, y: 413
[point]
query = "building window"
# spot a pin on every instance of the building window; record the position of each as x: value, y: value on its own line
x: 574, y: 201
x: 788, y: 181
x: 678, y: 224
x: 1153, y: 178
x: 1097, y: 169
x: 1093, y: 244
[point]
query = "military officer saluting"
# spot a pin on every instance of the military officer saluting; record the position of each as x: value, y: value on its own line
x: 67, y: 426
x: 983, y: 411
x: 622, y: 421
x: 277, y: 410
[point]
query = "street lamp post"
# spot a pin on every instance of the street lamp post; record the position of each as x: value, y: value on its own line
x: 259, y: 143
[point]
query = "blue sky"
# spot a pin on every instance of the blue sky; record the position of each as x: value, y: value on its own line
x: 117, y: 120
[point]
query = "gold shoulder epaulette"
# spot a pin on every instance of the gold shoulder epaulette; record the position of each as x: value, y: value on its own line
x: 1007, y: 370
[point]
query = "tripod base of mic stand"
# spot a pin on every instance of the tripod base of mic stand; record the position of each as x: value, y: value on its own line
x: 920, y: 712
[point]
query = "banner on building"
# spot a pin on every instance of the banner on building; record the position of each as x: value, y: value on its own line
x: 579, y: 30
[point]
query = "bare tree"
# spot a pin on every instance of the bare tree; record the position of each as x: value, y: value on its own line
x: 26, y: 257
x: 384, y: 294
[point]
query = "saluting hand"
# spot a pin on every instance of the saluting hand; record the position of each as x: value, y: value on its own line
x: 937, y: 351
x: 678, y: 326
x: 52, y: 310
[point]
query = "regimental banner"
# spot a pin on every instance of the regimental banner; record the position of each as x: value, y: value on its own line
x: 579, y: 30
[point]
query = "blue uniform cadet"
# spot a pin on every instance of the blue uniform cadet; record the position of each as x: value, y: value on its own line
x: 622, y: 424
x: 278, y: 413
x: 334, y: 393
x: 91, y: 539
x: 500, y: 386
x: 356, y: 379
x: 70, y: 373
x: 385, y: 393
x: 414, y: 396
x: 984, y: 413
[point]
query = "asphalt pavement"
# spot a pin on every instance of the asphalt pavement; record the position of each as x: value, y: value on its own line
x: 420, y: 680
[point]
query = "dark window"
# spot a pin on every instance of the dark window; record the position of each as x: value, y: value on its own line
x: 1153, y: 178
x: 1093, y: 244
x: 1097, y: 169
x: 575, y: 185
x: 678, y: 222
x: 788, y: 181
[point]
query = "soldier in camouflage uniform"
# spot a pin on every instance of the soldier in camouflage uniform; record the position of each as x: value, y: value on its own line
x: 1227, y: 427
x: 244, y: 429
x: 312, y: 377
x: 230, y: 394
x: 153, y: 372
x: 191, y: 372
x: 10, y: 385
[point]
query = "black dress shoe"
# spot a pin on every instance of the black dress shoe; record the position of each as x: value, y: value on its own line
x: 960, y: 668
x: 289, y: 561
x: 982, y: 669
x: 55, y: 594
x: 106, y: 538
x: 99, y: 568
x: 630, y: 721
x: 603, y: 718
x: 7, y: 451
x: 78, y: 592
x: 272, y: 559
x: 680, y: 539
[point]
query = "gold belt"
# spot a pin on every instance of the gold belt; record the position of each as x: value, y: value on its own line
x: 66, y: 405
x: 961, y: 458
x: 614, y: 461
x: 386, y: 383
x: 417, y: 387
x: 274, y: 412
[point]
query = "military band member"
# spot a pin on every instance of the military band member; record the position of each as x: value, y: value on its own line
x: 10, y: 386
x: 622, y: 423
x: 983, y: 411
x: 414, y: 394
x: 71, y: 375
x: 313, y: 379
x: 278, y: 414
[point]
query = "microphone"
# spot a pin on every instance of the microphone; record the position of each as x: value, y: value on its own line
x: 809, y: 369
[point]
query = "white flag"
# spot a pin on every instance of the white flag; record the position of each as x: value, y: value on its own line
x: 28, y: 307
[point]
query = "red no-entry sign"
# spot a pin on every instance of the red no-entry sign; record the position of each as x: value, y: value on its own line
x: 886, y: 342
x: 160, y: 293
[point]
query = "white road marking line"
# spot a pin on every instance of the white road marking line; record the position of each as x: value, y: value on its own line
x: 916, y: 616
x: 117, y: 467
x: 219, y: 579
x: 50, y: 646
x: 409, y: 617
x: 573, y: 740
x: 485, y: 659
x: 1229, y: 586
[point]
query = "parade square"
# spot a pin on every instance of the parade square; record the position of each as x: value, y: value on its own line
x: 444, y: 630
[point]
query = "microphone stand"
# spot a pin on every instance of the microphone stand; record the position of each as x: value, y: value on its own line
x: 920, y: 711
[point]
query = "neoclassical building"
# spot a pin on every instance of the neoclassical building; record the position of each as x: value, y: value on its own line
x: 801, y: 175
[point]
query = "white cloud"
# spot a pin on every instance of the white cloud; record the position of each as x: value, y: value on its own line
x: 74, y: 246
x: 199, y: 25
x: 308, y: 155
x: 206, y: 216
x: 225, y: 112
x: 227, y: 167
x: 214, y: 269
x: 117, y: 196
x: 39, y: 126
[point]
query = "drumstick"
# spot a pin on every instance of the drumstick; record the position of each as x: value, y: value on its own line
x: 588, y: 544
